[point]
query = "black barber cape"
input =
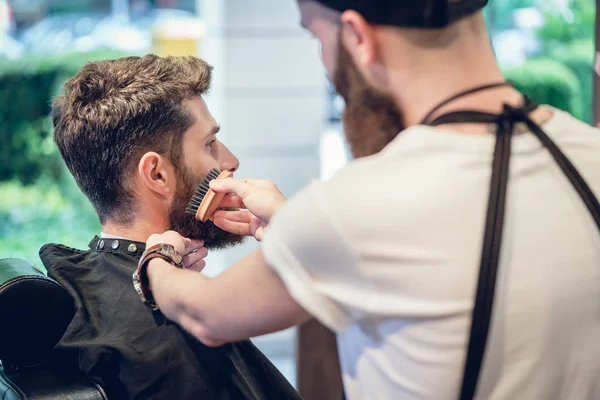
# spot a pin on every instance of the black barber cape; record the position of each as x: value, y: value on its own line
x: 132, y: 352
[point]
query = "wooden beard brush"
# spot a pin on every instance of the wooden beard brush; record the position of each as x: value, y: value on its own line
x: 205, y: 201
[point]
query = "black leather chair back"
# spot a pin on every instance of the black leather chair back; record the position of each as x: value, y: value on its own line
x: 34, y: 314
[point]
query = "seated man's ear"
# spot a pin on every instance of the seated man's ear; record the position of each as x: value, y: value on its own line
x: 157, y: 173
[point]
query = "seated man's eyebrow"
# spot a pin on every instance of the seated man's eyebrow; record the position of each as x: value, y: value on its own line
x: 216, y: 129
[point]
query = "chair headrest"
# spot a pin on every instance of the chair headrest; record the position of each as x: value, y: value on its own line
x: 34, y: 313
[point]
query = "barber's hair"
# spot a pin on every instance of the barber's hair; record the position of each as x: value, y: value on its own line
x: 112, y: 112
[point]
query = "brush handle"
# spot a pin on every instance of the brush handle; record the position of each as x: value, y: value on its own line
x: 211, y: 201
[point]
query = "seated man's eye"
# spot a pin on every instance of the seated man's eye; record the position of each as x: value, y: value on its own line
x: 212, y: 145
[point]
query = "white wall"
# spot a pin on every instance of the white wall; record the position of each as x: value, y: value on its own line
x: 268, y: 95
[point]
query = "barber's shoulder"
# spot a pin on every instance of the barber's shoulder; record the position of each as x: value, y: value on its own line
x: 359, y: 178
x: 564, y: 122
x: 352, y: 191
x: 345, y: 186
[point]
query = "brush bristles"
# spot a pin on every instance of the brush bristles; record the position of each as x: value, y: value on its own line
x: 194, y: 204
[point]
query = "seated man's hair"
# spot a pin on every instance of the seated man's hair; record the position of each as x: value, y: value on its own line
x: 112, y: 112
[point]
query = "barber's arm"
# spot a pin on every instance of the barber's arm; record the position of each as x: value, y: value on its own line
x: 246, y: 300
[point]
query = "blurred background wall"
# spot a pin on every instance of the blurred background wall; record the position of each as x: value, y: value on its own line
x: 269, y: 96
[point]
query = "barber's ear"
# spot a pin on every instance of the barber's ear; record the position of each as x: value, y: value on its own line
x: 359, y: 38
x: 156, y: 173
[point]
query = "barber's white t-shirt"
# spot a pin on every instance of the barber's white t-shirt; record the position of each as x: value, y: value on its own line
x: 387, y: 252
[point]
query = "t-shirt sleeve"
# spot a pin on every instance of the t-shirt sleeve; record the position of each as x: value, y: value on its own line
x: 308, y: 251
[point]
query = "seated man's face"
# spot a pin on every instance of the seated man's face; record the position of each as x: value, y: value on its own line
x: 201, y: 152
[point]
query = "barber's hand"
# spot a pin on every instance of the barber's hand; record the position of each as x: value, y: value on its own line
x: 192, y: 250
x: 260, y: 198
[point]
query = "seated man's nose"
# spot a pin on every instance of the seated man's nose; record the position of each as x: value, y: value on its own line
x: 231, y: 166
x: 229, y: 162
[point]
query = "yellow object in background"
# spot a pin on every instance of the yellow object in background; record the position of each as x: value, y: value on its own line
x: 178, y: 37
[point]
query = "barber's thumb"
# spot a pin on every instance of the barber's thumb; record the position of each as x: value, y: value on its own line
x: 228, y: 185
x: 220, y: 185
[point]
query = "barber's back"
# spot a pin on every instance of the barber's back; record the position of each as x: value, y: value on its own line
x: 406, y: 226
x: 544, y: 341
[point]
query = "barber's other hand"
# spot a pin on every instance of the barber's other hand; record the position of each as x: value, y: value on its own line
x: 260, y: 198
x: 192, y: 250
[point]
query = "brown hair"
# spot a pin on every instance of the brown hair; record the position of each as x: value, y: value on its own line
x: 114, y: 111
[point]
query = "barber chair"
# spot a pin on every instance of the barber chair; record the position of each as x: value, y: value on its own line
x: 34, y: 314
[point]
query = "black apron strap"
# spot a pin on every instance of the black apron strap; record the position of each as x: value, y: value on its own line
x: 490, y: 254
x: 462, y: 94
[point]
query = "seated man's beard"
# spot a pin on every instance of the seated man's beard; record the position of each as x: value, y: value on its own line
x: 188, y: 226
x: 371, y: 119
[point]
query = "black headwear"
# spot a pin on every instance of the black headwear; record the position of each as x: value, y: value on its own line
x: 409, y: 13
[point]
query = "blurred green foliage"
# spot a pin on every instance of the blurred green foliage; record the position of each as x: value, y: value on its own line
x: 578, y: 56
x: 546, y: 81
x: 568, y: 37
x: 58, y: 6
x: 28, y: 85
x: 33, y: 215
x: 499, y: 13
x: 39, y: 201
x: 568, y: 26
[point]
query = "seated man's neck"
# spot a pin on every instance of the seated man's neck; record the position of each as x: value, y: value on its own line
x: 139, y: 230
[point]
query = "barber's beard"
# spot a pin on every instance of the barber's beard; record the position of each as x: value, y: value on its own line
x: 188, y: 226
x: 371, y: 118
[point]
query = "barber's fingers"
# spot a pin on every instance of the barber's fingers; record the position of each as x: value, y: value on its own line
x: 259, y: 233
x: 197, y: 253
x: 260, y: 183
x: 239, y: 188
x: 192, y: 245
x: 194, y: 260
x: 198, y: 266
x: 231, y: 201
x: 170, y: 237
x: 194, y: 255
x: 236, y: 222
x: 235, y: 227
x: 233, y: 216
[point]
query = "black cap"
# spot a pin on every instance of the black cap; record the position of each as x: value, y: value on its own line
x: 409, y: 13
